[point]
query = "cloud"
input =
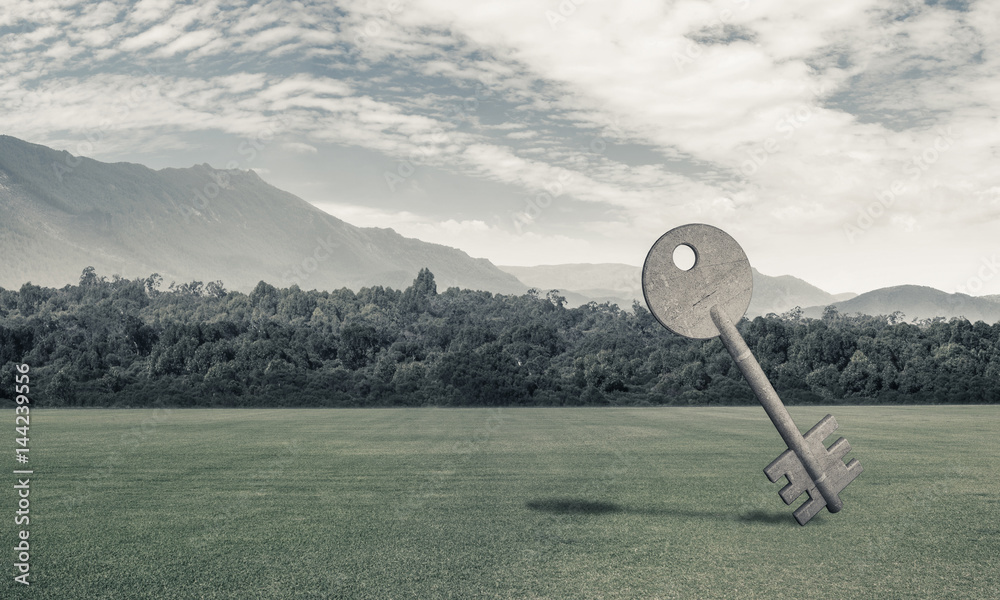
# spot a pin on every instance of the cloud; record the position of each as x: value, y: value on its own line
x: 269, y: 38
x: 475, y: 237
x: 150, y: 10
x: 154, y: 36
x: 761, y: 118
x: 299, y: 148
x: 187, y: 42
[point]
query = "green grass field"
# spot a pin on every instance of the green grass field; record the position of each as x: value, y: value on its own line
x: 508, y: 503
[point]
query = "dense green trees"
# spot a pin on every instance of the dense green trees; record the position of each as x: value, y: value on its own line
x: 125, y: 342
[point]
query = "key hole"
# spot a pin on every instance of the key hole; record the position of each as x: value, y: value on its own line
x: 685, y: 257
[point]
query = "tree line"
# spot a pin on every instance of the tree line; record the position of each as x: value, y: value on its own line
x: 127, y: 342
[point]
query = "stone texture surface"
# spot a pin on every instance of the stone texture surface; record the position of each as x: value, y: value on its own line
x: 721, y: 276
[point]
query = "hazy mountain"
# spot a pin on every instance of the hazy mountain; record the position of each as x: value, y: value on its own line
x: 916, y: 302
x: 60, y: 213
x: 621, y: 284
x: 783, y: 293
x: 584, y: 282
x: 844, y: 296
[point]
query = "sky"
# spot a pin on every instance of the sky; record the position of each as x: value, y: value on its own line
x: 852, y: 144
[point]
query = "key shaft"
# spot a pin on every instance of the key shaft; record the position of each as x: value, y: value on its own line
x: 773, y: 406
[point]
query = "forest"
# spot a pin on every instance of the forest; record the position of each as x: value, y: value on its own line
x: 128, y: 343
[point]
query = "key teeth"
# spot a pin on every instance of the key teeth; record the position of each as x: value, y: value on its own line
x: 773, y: 475
x: 787, y: 465
x: 823, y: 429
x: 810, y: 507
x: 789, y: 493
x: 775, y: 471
x: 839, y: 448
x: 830, y: 459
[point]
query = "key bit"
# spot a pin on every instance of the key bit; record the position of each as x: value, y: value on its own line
x: 839, y: 474
x: 703, y: 302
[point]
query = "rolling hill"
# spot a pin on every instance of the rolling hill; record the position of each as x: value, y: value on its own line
x: 585, y: 282
x: 62, y: 213
x: 621, y: 284
x: 783, y: 293
x: 916, y: 302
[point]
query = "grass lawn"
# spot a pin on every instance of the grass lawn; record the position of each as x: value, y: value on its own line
x: 501, y: 503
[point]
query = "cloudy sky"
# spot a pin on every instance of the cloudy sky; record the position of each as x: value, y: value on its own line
x: 853, y: 144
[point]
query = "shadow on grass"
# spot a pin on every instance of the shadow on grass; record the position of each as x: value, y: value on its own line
x: 767, y: 518
x: 580, y: 506
x: 573, y: 506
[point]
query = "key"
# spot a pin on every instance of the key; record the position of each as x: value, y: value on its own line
x: 705, y: 301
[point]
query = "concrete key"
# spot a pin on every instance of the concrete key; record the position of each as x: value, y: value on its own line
x: 705, y: 301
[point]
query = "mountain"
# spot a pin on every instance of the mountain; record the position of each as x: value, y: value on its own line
x: 621, y: 284
x: 916, y: 302
x: 844, y: 296
x: 783, y: 293
x: 583, y: 282
x: 61, y: 213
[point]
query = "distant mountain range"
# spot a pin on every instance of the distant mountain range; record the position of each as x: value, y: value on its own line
x: 917, y: 302
x: 584, y: 282
x: 783, y: 293
x: 621, y: 284
x: 60, y: 213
